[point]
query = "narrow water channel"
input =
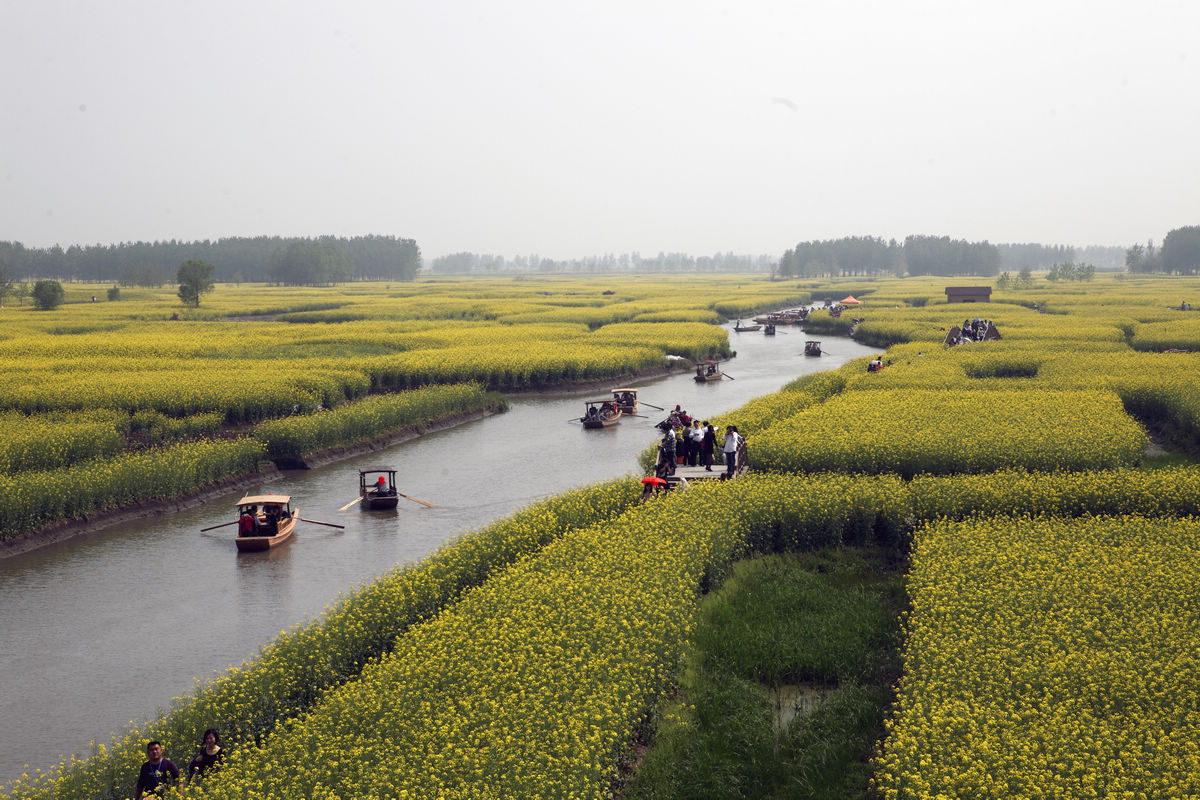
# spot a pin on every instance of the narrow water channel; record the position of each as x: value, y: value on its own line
x: 106, y: 628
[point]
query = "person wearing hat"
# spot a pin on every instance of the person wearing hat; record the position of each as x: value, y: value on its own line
x: 730, y: 448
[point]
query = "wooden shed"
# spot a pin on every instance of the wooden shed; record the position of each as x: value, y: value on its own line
x: 968, y: 294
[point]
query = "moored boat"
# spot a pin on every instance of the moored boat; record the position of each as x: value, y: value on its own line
x: 377, y: 487
x: 264, y: 521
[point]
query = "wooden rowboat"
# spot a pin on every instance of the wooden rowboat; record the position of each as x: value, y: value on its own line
x: 377, y: 487
x: 626, y: 400
x: 707, y: 371
x: 274, y: 520
x: 740, y: 328
x: 600, y: 414
x: 812, y: 348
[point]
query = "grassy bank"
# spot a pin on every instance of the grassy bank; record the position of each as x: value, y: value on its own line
x: 784, y: 692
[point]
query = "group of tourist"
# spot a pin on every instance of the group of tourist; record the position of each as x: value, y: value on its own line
x: 693, y: 442
x: 249, y: 523
x: 975, y: 329
x: 159, y: 772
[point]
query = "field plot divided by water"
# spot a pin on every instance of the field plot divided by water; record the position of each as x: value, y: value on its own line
x: 107, y: 627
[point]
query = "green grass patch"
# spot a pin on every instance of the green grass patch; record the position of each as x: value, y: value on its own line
x: 785, y: 691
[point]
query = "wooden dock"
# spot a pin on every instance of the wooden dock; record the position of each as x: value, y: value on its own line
x: 693, y: 474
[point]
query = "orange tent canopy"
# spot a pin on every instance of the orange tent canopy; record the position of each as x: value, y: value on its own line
x: 849, y: 300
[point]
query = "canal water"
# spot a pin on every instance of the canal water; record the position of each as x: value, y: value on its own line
x: 106, y: 628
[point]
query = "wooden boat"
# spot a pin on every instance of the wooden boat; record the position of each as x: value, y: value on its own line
x: 740, y: 328
x: 626, y: 400
x: 812, y: 348
x: 377, y: 487
x: 274, y: 520
x: 600, y: 414
x: 707, y: 371
x: 769, y: 330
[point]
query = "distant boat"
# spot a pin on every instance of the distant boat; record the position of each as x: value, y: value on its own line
x: 812, y: 348
x: 740, y: 328
x: 769, y: 330
x: 708, y: 371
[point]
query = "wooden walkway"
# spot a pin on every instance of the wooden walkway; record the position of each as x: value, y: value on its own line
x: 691, y: 474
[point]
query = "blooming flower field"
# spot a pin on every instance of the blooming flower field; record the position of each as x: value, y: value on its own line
x: 1051, y: 650
x: 1049, y: 658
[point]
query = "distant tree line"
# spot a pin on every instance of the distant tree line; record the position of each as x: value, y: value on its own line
x: 292, y: 260
x: 1045, y: 256
x: 930, y: 255
x: 850, y: 255
x: 1179, y: 254
x: 461, y: 263
x: 869, y: 255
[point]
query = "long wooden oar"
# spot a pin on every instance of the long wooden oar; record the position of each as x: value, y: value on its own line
x: 727, y: 375
x: 415, y: 500
x: 352, y: 502
x: 644, y: 403
x: 318, y: 522
x: 222, y: 525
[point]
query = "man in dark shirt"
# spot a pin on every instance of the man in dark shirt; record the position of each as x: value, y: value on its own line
x: 156, y: 772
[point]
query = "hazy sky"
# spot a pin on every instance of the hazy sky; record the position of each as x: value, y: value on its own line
x: 572, y: 129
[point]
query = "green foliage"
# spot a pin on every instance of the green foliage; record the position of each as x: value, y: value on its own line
x: 309, y: 263
x: 1071, y: 272
x: 114, y: 293
x: 941, y: 255
x: 7, y: 288
x: 48, y: 295
x: 786, y: 688
x: 195, y: 278
x: 1181, y: 251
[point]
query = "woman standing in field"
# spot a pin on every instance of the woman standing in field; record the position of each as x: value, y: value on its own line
x: 209, y: 757
x: 707, y: 445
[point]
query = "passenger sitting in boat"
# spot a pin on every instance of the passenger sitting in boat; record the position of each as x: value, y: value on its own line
x: 381, y: 486
x: 273, y: 514
x: 247, y: 522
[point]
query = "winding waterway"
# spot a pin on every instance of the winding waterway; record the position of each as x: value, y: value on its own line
x: 106, y: 628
